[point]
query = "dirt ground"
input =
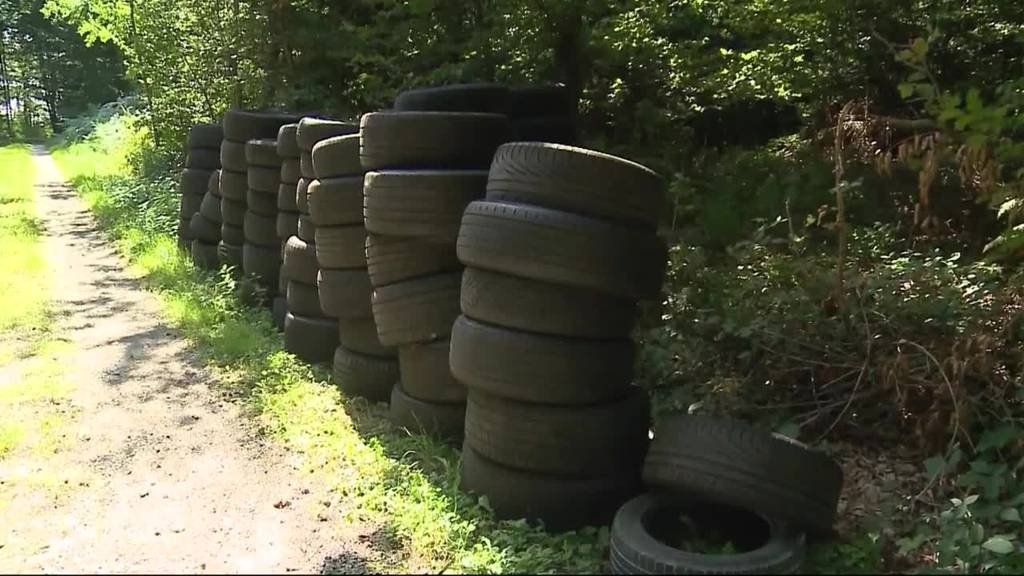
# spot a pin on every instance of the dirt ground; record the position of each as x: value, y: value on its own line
x: 157, y: 472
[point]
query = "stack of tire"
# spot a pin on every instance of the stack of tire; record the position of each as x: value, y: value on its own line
x: 287, y: 211
x: 205, y: 226
x: 762, y: 493
x: 261, y: 253
x: 557, y: 256
x: 240, y: 126
x: 201, y: 160
x: 424, y: 168
x: 308, y: 332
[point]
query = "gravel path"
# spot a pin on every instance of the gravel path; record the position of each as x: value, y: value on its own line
x: 164, y: 474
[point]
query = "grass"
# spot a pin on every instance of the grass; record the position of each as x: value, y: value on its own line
x: 407, y: 485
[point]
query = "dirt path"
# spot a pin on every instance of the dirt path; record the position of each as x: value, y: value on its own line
x: 162, y: 473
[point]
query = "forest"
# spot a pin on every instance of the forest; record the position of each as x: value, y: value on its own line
x: 846, y: 197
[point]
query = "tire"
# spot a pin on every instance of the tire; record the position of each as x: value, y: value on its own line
x: 232, y: 212
x: 278, y: 311
x: 418, y: 310
x: 449, y: 140
x: 535, y: 306
x: 306, y: 229
x: 340, y: 247
x: 205, y: 159
x: 562, y: 249
x: 204, y: 230
x: 360, y: 335
x: 365, y: 376
x: 232, y: 156
x: 262, y: 231
x: 728, y: 461
x: 304, y: 300
x: 337, y: 156
x: 233, y: 185
x: 193, y: 182
x: 234, y: 235
x: 287, y: 141
x: 390, y: 259
x: 205, y: 136
x: 312, y: 340
x: 561, y: 503
x: 423, y: 204
x: 264, y: 179
x: 306, y: 166
x: 229, y: 255
x: 204, y: 255
x: 287, y: 225
x: 600, y: 439
x: 637, y: 549
x: 312, y: 130
x: 300, y: 261
x: 184, y: 233
x: 577, y: 180
x: 541, y: 369
x: 336, y: 201
x: 262, y: 203
x: 262, y: 152
x: 290, y: 171
x: 345, y: 293
x: 286, y: 197
x: 210, y: 209
x: 546, y: 129
x: 213, y: 184
x: 245, y: 125
x: 533, y: 101
x: 189, y: 205
x: 445, y: 421
x: 457, y: 98
x: 302, y: 195
x: 426, y: 375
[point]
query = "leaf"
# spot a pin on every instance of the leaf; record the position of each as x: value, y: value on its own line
x: 1010, y: 515
x: 906, y: 90
x: 789, y: 430
x: 998, y: 545
x: 935, y: 465
x: 998, y: 438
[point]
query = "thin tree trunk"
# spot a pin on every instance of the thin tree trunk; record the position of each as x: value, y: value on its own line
x: 5, y: 85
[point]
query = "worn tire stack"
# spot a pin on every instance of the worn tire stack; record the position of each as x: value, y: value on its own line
x: 557, y: 256
x: 308, y: 332
x: 202, y: 161
x: 261, y: 253
x: 428, y: 160
x: 287, y: 221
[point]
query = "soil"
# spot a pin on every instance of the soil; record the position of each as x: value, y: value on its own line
x: 160, y: 472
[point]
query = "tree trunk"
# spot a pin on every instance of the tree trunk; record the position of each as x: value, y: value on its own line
x: 6, y: 86
x: 147, y: 88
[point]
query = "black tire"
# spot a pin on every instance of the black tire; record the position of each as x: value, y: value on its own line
x: 232, y: 212
x: 300, y: 261
x: 418, y: 310
x: 312, y: 340
x: 306, y: 230
x: 345, y: 293
x: 360, y: 335
x: 232, y: 156
x: 245, y: 125
x: 302, y: 195
x: 306, y: 166
x: 287, y: 141
x: 184, y: 233
x: 210, y: 209
x: 598, y: 439
x: 234, y: 235
x: 537, y: 368
x: 263, y: 203
x: 262, y: 152
x: 340, y: 247
x: 203, y: 159
x: 313, y: 130
x: 203, y: 229
x: 727, y: 461
x: 290, y: 171
x: 336, y: 201
x: 562, y: 248
x: 364, y: 376
x: 287, y: 225
x: 262, y: 231
x: 337, y: 156
x: 304, y: 300
x: 576, y: 180
x: 426, y: 375
x: 205, y: 136
x: 547, y: 129
x: 533, y: 101
x: 278, y: 311
x: 189, y: 205
x: 233, y: 185
x: 445, y: 421
x: 536, y: 306
x: 420, y: 203
x: 456, y: 98
x: 230, y: 254
x: 448, y: 140
x: 193, y: 182
x: 213, y: 184
x: 264, y: 179
x: 286, y: 197
x: 204, y: 255
x: 561, y: 503
x: 767, y: 546
x: 390, y: 259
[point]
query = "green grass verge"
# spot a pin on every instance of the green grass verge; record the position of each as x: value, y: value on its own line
x: 408, y: 485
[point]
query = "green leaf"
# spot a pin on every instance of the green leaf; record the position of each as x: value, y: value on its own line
x: 998, y: 545
x: 1010, y: 515
x: 906, y: 90
x: 997, y: 438
x: 935, y: 465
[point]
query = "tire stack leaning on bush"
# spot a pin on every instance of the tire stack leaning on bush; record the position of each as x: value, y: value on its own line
x: 542, y: 114
x: 287, y: 221
x: 308, y: 332
x: 201, y: 161
x: 427, y: 166
x: 362, y: 365
x: 261, y: 253
x: 556, y: 258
